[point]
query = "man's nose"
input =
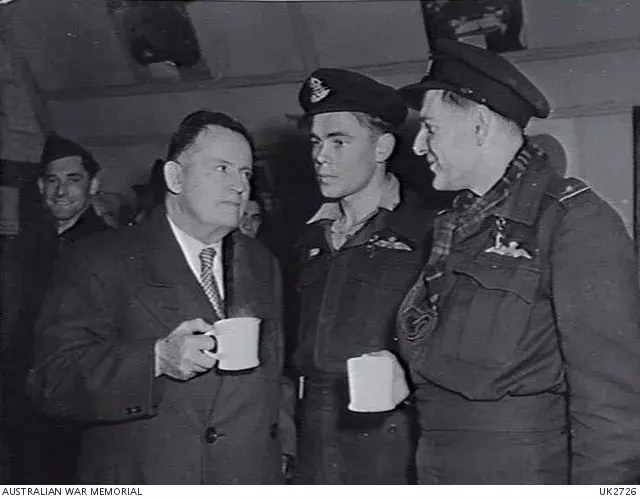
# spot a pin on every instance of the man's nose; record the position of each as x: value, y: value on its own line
x: 321, y: 154
x: 420, y: 145
x: 239, y: 182
x: 62, y: 189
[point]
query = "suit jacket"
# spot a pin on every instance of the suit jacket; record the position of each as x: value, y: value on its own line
x: 111, y: 300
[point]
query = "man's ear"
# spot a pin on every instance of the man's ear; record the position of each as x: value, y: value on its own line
x: 384, y: 147
x: 94, y: 185
x: 482, y: 119
x: 173, y: 176
x: 41, y: 185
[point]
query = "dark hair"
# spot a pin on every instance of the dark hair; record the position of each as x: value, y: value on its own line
x: 191, y: 126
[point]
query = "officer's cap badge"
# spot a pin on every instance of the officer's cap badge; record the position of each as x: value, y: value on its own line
x: 319, y: 89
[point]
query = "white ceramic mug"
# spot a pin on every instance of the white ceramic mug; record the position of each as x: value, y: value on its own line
x: 376, y: 382
x: 237, y: 343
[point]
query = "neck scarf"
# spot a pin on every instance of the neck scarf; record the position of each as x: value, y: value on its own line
x: 418, y: 314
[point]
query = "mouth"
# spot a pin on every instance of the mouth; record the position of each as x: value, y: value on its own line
x: 235, y: 204
x: 326, y: 178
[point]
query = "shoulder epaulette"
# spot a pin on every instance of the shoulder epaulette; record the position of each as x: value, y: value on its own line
x: 566, y: 188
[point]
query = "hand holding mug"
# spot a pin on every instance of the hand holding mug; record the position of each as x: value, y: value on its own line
x: 181, y: 354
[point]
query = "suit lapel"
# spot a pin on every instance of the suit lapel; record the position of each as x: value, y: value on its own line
x: 245, y: 292
x: 169, y: 290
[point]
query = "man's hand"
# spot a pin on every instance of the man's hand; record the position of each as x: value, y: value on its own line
x: 183, y: 354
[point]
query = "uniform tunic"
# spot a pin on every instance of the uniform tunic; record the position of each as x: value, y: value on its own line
x: 349, y: 298
x: 532, y: 373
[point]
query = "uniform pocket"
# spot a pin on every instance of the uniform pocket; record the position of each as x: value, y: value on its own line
x: 488, y: 311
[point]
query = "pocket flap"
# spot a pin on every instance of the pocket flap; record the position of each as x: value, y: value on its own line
x: 518, y: 279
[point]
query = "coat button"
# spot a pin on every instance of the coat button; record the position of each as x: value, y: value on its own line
x: 211, y: 435
x: 392, y: 429
x: 128, y: 411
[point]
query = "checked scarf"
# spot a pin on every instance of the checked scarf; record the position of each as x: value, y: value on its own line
x: 418, y: 314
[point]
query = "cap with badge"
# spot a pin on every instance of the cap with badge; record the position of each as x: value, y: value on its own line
x: 482, y: 76
x: 329, y: 90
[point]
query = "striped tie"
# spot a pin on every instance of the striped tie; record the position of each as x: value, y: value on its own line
x: 209, y: 281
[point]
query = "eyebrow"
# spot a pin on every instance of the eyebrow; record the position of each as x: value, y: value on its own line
x: 332, y: 135
x: 224, y: 161
x: 66, y: 175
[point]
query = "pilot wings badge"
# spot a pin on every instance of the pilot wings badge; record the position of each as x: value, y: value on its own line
x: 511, y: 249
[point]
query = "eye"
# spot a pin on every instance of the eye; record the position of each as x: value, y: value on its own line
x: 339, y: 142
x: 222, y: 168
x: 247, y: 174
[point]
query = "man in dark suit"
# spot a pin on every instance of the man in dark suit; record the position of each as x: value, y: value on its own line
x: 120, y: 342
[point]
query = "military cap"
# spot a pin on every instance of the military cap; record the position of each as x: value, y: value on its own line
x: 482, y: 76
x: 329, y: 90
x: 56, y: 147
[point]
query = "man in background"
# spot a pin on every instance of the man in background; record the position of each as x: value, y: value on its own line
x: 44, y: 451
x: 67, y: 182
x: 251, y: 219
x: 357, y: 256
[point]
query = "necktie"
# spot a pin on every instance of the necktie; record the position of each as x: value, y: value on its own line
x: 209, y: 281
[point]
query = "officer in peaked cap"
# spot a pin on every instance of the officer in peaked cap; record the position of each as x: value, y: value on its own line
x: 481, y: 76
x: 367, y: 231
x: 517, y: 296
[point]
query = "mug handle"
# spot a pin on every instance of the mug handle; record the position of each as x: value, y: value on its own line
x: 209, y: 353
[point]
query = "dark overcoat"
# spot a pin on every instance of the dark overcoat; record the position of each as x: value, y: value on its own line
x: 112, y: 299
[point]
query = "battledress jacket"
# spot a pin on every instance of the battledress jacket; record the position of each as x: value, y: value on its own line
x: 535, y: 360
x: 348, y: 303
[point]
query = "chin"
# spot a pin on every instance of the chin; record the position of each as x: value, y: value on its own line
x: 330, y: 193
x: 440, y: 184
x: 65, y: 214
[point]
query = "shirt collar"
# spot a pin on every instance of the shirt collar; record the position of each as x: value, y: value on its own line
x: 189, y: 244
x: 389, y: 198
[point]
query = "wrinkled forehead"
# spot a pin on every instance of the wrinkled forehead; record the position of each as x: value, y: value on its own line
x: 215, y: 141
